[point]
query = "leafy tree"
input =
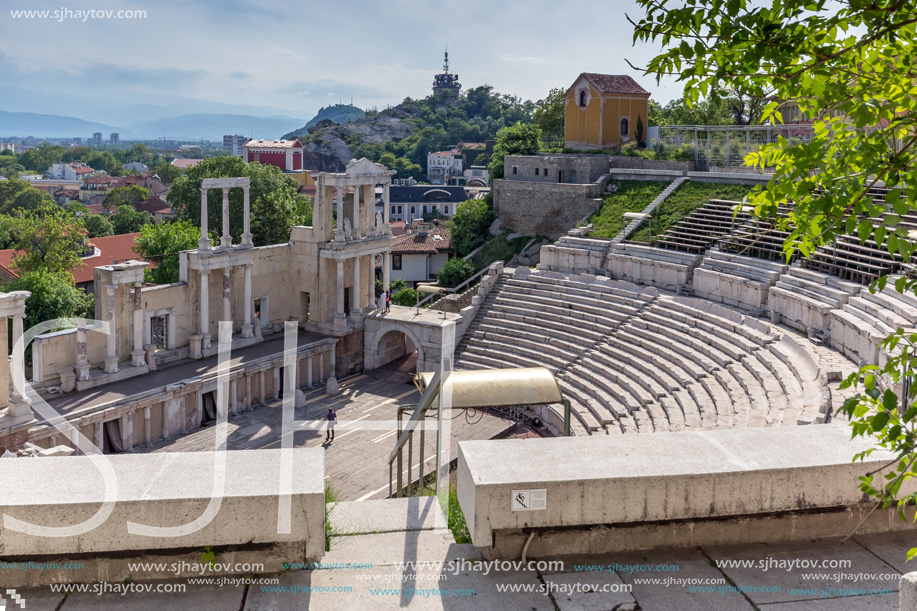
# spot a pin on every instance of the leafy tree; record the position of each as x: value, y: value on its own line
x: 28, y: 200
x: 161, y: 243
x: 10, y: 189
x: 168, y: 173
x: 404, y: 297
x: 685, y: 111
x: 39, y: 159
x: 128, y: 220
x: 471, y: 222
x: 275, y: 204
x: 638, y: 132
x: 53, y: 296
x: 851, y: 67
x: 549, y: 115
x: 77, y: 153
x: 745, y: 109
x: 520, y: 139
x: 455, y: 272
x: 49, y: 240
x: 105, y: 161
x: 126, y: 196
x: 97, y: 226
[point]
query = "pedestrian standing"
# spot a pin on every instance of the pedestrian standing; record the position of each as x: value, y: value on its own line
x: 329, y: 432
x: 388, y: 301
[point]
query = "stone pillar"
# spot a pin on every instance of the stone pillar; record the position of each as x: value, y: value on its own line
x: 204, y: 242
x: 137, y: 356
x: 321, y: 367
x: 261, y: 389
x: 339, y: 201
x: 357, y: 234
x: 126, y: 437
x: 225, y: 239
x: 339, y: 306
x: 355, y: 293
x: 371, y: 282
x: 248, y: 391
x: 82, y: 351
x: 276, y: 383
x: 97, y: 435
x: 227, y: 305
x: 4, y: 364
x: 111, y: 354
x: 18, y: 356
x: 309, y: 371
x: 246, y: 218
x: 205, y: 309
x: 247, y: 298
x: 386, y: 210
x: 333, y: 364
x: 233, y: 396
x: 386, y: 269
x: 147, y: 425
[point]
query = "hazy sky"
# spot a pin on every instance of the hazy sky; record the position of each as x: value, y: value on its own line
x: 296, y: 56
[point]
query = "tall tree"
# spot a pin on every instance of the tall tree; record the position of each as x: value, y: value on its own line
x: 471, y: 221
x: 125, y: 196
x: 53, y: 296
x: 128, y: 220
x: 549, y: 115
x: 275, y: 204
x: 161, y: 243
x: 851, y: 67
x: 49, y: 240
x: 519, y: 139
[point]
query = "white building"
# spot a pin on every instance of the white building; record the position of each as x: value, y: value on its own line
x: 442, y: 165
x: 234, y: 144
x: 412, y: 202
x: 419, y: 255
x: 69, y: 171
x: 477, y: 176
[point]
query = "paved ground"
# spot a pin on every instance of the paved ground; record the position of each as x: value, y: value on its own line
x: 356, y: 462
x: 686, y: 579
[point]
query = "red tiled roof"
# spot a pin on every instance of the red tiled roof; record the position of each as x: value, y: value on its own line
x: 184, y: 164
x: 112, y: 249
x: 82, y: 169
x: 615, y: 83
x: 414, y: 243
x: 398, y: 227
x: 154, y: 205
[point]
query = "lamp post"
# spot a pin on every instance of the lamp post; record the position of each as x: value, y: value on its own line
x: 642, y: 216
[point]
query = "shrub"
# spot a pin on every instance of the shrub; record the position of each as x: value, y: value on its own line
x: 630, y: 149
x: 404, y: 297
x: 455, y: 272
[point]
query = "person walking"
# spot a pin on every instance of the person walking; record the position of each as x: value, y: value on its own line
x: 329, y: 432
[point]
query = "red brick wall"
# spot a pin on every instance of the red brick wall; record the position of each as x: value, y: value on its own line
x: 14, y: 441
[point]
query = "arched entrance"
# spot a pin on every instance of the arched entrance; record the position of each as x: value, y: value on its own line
x: 395, y: 342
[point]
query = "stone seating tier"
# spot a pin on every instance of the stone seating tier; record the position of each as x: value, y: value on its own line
x: 631, y: 360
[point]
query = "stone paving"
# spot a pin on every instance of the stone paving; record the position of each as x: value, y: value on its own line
x: 861, y: 573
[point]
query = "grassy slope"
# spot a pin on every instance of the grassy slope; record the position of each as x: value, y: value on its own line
x: 632, y: 196
x: 685, y: 200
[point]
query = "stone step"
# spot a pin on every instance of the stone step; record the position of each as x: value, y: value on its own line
x: 558, y: 315
x: 558, y: 306
x: 688, y: 353
x: 601, y: 294
x: 730, y: 320
x: 549, y: 324
x: 884, y: 315
x: 845, y: 286
x: 599, y: 301
x: 869, y: 319
x: 819, y: 292
x: 563, y: 341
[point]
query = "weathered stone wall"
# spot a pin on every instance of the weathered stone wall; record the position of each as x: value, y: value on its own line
x: 349, y: 354
x: 554, y: 168
x: 534, y: 208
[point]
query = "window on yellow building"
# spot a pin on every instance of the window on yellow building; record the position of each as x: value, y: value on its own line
x: 582, y: 99
x: 624, y: 126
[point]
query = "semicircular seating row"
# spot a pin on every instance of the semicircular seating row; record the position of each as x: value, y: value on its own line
x: 632, y: 360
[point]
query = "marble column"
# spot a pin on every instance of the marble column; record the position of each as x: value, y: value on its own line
x: 233, y: 396
x: 386, y: 208
x: 339, y: 201
x: 18, y: 356
x: 225, y: 239
x: 246, y: 218
x: 248, y: 391
x: 309, y: 371
x: 371, y: 282
x: 355, y: 291
x: 355, y: 218
x: 247, y: 306
x: 111, y: 353
x: 386, y: 269
x: 147, y: 426
x: 137, y: 356
x: 333, y: 363
x: 4, y: 364
x: 97, y: 435
x: 204, y: 242
x: 227, y: 305
x: 261, y: 389
x: 276, y: 383
x: 205, y: 308
x: 321, y: 368
x: 82, y: 351
x: 339, y: 306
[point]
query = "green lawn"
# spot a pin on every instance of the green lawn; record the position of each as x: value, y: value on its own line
x: 683, y: 201
x: 631, y: 196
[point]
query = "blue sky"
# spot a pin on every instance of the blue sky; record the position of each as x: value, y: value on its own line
x: 293, y: 57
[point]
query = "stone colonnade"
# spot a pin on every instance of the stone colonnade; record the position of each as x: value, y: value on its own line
x: 180, y: 405
x: 12, y: 305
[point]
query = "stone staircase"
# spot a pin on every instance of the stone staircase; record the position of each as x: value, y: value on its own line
x: 631, y: 360
x: 737, y: 281
x: 633, y: 225
x: 860, y: 325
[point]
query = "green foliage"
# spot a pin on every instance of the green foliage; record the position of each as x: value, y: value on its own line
x: 168, y: 173
x: 549, y: 115
x: 331, y: 497
x: 520, y: 139
x: 127, y: 220
x: 404, y: 297
x: 106, y: 162
x: 499, y: 248
x: 629, y: 149
x: 28, y: 200
x: 125, y: 196
x: 639, y: 132
x: 685, y: 200
x: 454, y: 272
x: 53, y: 296
x: 471, y: 222
x: 38, y: 160
x: 631, y: 196
x: 275, y: 204
x: 455, y: 517
x: 161, y: 243
x: 339, y: 113
x: 9, y: 189
x: 396, y: 285
x: 850, y: 67
x: 97, y: 226
x: 49, y: 240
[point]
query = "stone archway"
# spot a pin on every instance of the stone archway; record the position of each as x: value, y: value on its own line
x: 382, y: 347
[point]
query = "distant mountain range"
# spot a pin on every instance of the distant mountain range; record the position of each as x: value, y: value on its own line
x: 339, y: 113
